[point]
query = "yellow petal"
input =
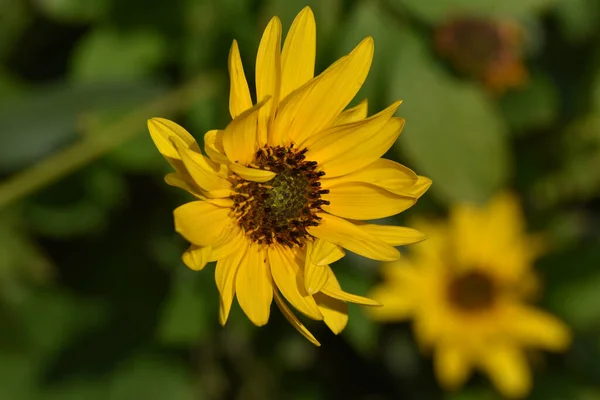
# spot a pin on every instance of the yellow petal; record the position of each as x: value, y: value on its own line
x: 315, y: 105
x: 397, y: 305
x: 298, y: 55
x: 162, y: 130
x: 268, y: 75
x: 507, y: 368
x: 353, y: 148
x: 231, y: 240
x: 201, y: 222
x: 363, y: 201
x: 289, y: 279
x: 537, y: 328
x: 239, y: 138
x: 452, y: 366
x: 177, y: 179
x: 204, y: 172
x: 420, y: 187
x: 315, y: 276
x: 239, y: 94
x: 386, y: 174
x: 324, y: 252
x: 335, y: 312
x: 196, y: 257
x: 393, y: 235
x: 292, y: 319
x: 353, y: 114
x: 346, y: 234
x: 213, y: 146
x: 225, y: 276
x: 332, y: 289
x: 252, y: 174
x: 253, y: 286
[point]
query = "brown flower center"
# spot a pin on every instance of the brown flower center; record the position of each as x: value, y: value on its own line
x: 280, y: 211
x: 472, y: 291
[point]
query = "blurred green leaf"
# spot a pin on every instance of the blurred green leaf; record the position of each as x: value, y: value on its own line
x: 453, y: 133
x: 534, y: 106
x: 17, y: 375
x: 75, y: 10
x: 578, y: 18
x: 76, y: 389
x: 369, y: 19
x: 111, y: 55
x: 37, y: 122
x: 14, y: 19
x: 137, y: 155
x: 151, y: 378
x: 437, y: 10
x: 184, y: 318
x: 579, y: 302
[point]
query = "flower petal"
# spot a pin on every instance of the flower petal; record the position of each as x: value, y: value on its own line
x: 423, y: 183
x: 346, y: 234
x: 324, y: 252
x: 347, y: 148
x: 353, y: 114
x: 507, y: 368
x: 290, y: 281
x: 213, y: 146
x: 397, y: 305
x: 299, y: 51
x: 203, y: 171
x: 292, y: 319
x: 196, y: 257
x: 315, y: 275
x: 239, y: 138
x: 253, y: 285
x: 452, y: 366
x: 162, y: 130
x: 225, y: 277
x: 312, y: 107
x: 239, y: 94
x: 201, y: 222
x: 335, y: 312
x: 177, y: 179
x: 231, y: 240
x: 393, y: 235
x: 252, y: 174
x: 363, y: 201
x: 386, y: 174
x: 537, y: 328
x: 332, y: 289
x: 268, y: 75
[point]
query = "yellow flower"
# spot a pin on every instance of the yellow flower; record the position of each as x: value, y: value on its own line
x: 465, y: 290
x: 290, y: 181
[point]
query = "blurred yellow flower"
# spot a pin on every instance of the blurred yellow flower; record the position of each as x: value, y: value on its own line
x: 281, y: 187
x: 465, y: 288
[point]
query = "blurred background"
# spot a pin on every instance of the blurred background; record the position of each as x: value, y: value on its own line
x: 94, y: 300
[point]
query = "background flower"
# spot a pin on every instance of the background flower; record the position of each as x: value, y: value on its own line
x: 92, y: 304
x: 465, y: 290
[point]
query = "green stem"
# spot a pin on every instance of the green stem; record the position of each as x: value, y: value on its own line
x: 102, y: 139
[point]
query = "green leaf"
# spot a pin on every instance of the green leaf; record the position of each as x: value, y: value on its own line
x: 453, y: 133
x: 535, y: 106
x: 578, y: 18
x: 110, y: 55
x: 579, y: 302
x: 437, y: 10
x: 38, y: 122
x: 184, y: 318
x: 75, y: 10
x: 14, y: 19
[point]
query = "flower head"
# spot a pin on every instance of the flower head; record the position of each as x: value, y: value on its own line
x: 487, y: 50
x: 465, y: 290
x: 291, y: 181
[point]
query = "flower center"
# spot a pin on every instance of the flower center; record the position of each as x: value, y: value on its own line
x: 280, y: 211
x: 473, y: 291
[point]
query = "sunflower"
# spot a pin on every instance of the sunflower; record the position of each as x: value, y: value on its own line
x: 466, y: 290
x: 290, y: 182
